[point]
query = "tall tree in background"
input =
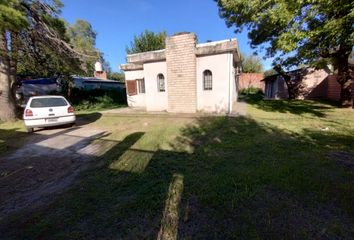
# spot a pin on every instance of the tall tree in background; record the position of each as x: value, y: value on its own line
x: 251, y: 64
x: 299, y: 31
x: 31, y: 30
x: 12, y: 20
x: 82, y: 36
x: 116, y: 76
x: 147, y: 41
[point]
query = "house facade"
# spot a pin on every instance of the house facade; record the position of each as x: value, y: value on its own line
x: 186, y: 77
x: 312, y: 84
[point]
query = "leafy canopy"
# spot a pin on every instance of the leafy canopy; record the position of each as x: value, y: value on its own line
x: 251, y: 64
x: 11, y: 16
x: 82, y: 36
x: 300, y: 30
x: 147, y: 41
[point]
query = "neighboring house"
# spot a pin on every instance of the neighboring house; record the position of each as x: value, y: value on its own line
x: 248, y: 80
x: 186, y: 77
x: 313, y: 84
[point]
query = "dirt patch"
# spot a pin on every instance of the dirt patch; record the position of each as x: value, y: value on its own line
x: 35, y: 173
x: 345, y: 159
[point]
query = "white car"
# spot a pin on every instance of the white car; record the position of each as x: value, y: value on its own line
x: 48, y: 111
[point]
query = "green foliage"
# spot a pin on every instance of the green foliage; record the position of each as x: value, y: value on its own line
x: 251, y: 64
x: 44, y: 61
x: 11, y: 16
x: 83, y: 38
x: 116, y: 76
x: 251, y: 94
x: 306, y: 30
x: 35, y: 33
x: 37, y: 58
x: 251, y: 90
x: 299, y: 32
x: 270, y: 72
x: 147, y: 41
x: 97, y: 99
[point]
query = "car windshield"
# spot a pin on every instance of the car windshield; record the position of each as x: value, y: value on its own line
x: 48, y: 102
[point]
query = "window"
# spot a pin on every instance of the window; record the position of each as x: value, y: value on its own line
x: 141, y: 85
x: 48, y: 102
x: 207, y: 80
x: 160, y: 83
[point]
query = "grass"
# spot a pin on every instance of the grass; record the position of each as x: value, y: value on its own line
x: 265, y: 176
x: 12, y: 135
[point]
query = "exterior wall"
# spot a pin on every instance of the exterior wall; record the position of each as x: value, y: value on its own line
x: 314, y: 84
x: 248, y: 80
x: 181, y: 73
x: 334, y: 88
x: 100, y: 75
x: 139, y: 99
x: 218, y: 99
x: 282, y: 89
x: 155, y: 100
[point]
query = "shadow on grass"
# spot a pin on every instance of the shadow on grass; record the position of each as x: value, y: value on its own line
x: 238, y: 179
x: 87, y: 118
x: 299, y: 107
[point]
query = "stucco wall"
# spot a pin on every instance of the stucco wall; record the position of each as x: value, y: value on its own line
x: 139, y: 99
x: 217, y: 99
x: 155, y: 100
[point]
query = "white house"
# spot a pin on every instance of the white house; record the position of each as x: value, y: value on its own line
x: 186, y: 77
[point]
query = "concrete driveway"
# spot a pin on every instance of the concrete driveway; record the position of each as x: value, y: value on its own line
x: 47, y: 165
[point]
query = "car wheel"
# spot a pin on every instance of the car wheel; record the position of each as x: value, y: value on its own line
x: 29, y: 130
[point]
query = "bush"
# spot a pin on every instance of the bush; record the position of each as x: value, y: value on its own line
x: 251, y: 94
x: 97, y: 98
x: 251, y: 90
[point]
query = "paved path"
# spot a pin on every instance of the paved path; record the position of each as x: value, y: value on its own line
x: 46, y: 165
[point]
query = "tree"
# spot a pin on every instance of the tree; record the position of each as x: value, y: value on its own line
x: 82, y: 36
x: 147, y: 41
x: 116, y: 76
x: 251, y: 64
x: 270, y: 72
x: 30, y: 29
x: 298, y: 31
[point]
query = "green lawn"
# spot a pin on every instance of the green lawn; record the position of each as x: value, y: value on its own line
x: 275, y: 174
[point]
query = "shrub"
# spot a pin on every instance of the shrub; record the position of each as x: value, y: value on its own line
x: 97, y: 98
x: 251, y: 90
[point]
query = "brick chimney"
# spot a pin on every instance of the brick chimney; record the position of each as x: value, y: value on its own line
x: 181, y: 72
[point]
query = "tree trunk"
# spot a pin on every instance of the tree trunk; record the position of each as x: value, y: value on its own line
x: 345, y: 79
x: 287, y: 79
x: 290, y: 86
x: 7, y: 101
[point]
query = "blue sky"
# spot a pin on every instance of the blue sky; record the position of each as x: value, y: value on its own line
x: 117, y: 21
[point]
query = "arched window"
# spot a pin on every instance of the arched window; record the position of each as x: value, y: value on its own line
x: 207, y: 80
x: 160, y: 82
